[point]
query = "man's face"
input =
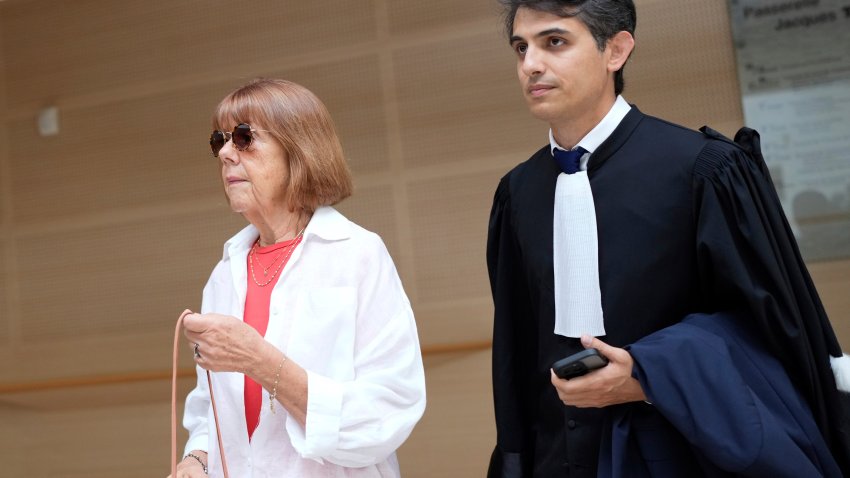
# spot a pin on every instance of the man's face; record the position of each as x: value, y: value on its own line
x: 564, y: 76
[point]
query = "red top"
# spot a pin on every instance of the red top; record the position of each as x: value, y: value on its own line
x: 265, y: 266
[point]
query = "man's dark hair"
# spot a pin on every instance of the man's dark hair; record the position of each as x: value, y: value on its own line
x: 604, y: 19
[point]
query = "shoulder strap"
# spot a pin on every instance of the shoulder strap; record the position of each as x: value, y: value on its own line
x: 174, y: 404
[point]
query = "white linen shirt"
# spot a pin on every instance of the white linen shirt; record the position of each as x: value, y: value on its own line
x: 340, y: 312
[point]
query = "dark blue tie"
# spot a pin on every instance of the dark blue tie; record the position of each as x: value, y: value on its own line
x: 569, y: 160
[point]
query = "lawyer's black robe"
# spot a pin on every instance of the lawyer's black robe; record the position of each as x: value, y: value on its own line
x: 687, y: 222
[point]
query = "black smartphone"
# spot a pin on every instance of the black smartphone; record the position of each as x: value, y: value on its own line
x: 579, y: 364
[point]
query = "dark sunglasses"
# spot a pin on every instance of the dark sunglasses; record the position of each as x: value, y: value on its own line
x: 242, y: 137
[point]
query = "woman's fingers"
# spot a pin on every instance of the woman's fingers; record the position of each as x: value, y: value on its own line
x: 220, y: 343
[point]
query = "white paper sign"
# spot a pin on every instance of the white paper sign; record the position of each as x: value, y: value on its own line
x: 794, y: 72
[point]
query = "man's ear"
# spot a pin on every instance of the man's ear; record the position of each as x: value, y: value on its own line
x: 619, y: 48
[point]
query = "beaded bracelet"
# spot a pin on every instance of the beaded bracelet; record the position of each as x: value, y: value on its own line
x: 273, y: 393
x: 197, y: 458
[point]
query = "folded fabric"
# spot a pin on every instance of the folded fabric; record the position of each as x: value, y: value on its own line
x: 721, y: 406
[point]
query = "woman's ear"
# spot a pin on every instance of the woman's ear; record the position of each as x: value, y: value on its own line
x: 619, y: 47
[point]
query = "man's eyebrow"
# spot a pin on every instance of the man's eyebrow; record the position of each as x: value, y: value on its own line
x: 547, y: 32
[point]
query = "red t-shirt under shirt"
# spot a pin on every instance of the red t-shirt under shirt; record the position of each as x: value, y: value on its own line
x: 268, y: 264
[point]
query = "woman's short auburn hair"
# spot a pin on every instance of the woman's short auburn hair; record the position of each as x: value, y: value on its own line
x: 292, y: 114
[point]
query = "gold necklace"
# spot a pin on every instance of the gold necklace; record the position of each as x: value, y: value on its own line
x: 257, y: 258
x: 291, y: 247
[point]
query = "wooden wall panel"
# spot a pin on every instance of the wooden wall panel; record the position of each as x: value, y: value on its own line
x: 351, y: 90
x: 106, y: 46
x: 407, y: 17
x: 6, y: 253
x: 4, y: 311
x: 683, y: 67
x: 449, y: 217
x: 832, y: 279
x: 142, y: 152
x: 457, y: 433
x: 374, y: 208
x: 101, y: 281
x: 98, y: 302
x: 460, y: 100
x: 120, y: 440
x: 110, y: 228
x: 129, y: 438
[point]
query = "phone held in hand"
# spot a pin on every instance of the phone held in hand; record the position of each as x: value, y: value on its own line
x: 579, y: 364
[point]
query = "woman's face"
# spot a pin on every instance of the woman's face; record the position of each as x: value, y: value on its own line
x: 253, y: 179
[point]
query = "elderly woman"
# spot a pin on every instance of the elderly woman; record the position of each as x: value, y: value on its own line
x: 304, y: 319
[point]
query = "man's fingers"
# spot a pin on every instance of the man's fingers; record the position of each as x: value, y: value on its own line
x: 609, y: 351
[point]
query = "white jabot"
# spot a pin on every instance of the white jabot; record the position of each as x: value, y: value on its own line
x: 575, y: 245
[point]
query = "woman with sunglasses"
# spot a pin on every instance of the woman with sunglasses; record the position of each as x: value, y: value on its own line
x: 304, y: 321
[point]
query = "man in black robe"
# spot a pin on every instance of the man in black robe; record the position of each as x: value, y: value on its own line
x: 681, y: 222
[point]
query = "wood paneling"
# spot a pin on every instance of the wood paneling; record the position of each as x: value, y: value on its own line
x: 147, y: 152
x: 117, y: 440
x: 7, y: 273
x: 101, y: 281
x: 449, y: 218
x: 4, y: 311
x: 832, y: 279
x: 109, y: 229
x: 407, y: 17
x: 459, y: 99
x: 123, y: 430
x: 375, y: 209
x: 683, y: 67
x: 456, y: 435
x: 351, y: 90
x: 106, y: 46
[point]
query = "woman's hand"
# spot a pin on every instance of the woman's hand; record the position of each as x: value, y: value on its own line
x: 190, y: 467
x: 610, y: 385
x: 222, y: 343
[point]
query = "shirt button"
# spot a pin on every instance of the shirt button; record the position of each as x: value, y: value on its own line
x: 571, y: 424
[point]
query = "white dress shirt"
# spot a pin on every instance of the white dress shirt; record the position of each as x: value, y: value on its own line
x: 575, y: 248
x: 340, y: 312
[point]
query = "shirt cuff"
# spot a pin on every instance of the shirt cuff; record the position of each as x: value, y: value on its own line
x: 200, y: 441
x: 324, y: 407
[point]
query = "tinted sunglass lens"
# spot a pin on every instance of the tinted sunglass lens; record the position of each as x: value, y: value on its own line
x: 217, y: 142
x: 242, y: 137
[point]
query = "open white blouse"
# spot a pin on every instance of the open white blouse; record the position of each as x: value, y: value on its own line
x: 340, y: 312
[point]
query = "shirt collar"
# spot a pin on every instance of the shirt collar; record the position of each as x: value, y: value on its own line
x: 327, y: 223
x: 601, y: 131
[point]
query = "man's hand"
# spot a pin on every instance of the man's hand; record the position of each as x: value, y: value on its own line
x: 610, y: 385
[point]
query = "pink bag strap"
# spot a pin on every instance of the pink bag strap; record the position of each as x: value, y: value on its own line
x: 174, y: 404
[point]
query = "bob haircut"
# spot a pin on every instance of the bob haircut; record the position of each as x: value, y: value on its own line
x: 298, y: 120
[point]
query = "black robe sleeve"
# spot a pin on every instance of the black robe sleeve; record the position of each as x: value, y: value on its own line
x: 512, y: 343
x: 749, y: 262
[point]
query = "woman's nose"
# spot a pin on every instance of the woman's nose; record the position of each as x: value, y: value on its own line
x: 228, y: 153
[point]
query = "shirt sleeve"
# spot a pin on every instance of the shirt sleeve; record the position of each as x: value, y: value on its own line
x: 362, y: 421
